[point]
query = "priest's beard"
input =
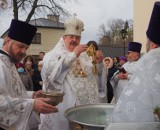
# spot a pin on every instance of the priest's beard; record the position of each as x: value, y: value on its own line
x: 15, y: 58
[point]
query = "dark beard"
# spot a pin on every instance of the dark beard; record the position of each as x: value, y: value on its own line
x: 13, y: 56
x: 14, y: 60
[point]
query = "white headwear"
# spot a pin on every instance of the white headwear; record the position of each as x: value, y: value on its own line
x: 73, y: 26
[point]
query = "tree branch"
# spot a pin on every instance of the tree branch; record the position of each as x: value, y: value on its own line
x: 15, y: 9
x: 32, y: 11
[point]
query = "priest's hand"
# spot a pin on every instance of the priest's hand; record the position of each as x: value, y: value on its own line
x: 41, y: 107
x: 123, y: 75
x: 37, y: 94
x: 79, y: 49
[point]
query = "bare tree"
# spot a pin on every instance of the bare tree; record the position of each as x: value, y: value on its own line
x: 34, y: 7
x: 112, y: 31
x: 114, y: 26
x: 102, y: 30
x: 105, y: 35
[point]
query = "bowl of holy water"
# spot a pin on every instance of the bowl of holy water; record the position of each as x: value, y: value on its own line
x: 55, y: 97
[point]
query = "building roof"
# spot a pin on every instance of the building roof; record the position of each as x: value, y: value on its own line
x: 109, y: 51
x: 47, y: 23
x: 44, y: 23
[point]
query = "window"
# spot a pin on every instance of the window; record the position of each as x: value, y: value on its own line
x: 37, y: 39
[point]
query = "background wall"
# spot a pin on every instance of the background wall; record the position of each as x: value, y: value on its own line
x: 142, y: 10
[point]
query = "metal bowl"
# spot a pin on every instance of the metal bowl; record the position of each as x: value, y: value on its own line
x: 55, y: 97
x: 89, y: 117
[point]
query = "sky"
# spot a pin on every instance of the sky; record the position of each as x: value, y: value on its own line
x: 92, y: 12
x: 95, y: 12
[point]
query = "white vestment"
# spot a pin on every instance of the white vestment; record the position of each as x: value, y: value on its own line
x: 134, y: 126
x: 58, y: 73
x: 16, y: 105
x: 142, y: 94
x: 119, y: 84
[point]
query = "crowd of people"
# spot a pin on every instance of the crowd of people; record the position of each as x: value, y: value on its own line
x: 29, y: 70
x: 82, y: 73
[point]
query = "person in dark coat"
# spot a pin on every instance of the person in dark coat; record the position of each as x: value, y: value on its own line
x: 111, y: 70
x: 37, y: 80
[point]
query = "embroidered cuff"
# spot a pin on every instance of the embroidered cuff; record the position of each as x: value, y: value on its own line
x: 30, y: 93
x: 70, y: 58
x: 129, y: 76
